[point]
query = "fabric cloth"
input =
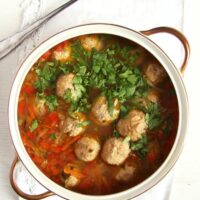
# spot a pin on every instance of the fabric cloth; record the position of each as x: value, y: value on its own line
x: 137, y: 14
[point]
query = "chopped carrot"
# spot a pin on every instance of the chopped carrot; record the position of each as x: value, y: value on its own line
x: 45, y: 56
x: 45, y: 145
x: 59, y: 47
x: 31, y: 111
x: 56, y: 149
x: 22, y: 108
x: 52, y: 119
x: 71, y: 141
x: 31, y: 135
x: 28, y: 89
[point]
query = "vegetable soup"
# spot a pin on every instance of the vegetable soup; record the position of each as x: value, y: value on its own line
x: 97, y: 114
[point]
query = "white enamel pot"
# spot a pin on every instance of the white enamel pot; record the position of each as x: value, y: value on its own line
x: 137, y: 37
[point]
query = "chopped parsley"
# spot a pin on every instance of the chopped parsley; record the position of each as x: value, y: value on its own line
x: 84, y: 123
x: 140, y: 146
x: 46, y: 75
x: 111, y: 70
x: 116, y: 134
x: 33, y: 125
x: 153, y: 116
x: 53, y: 136
x: 48, y: 72
x: 68, y: 95
x: 51, y: 101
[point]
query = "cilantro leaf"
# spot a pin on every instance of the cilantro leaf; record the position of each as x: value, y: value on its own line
x: 84, y: 123
x: 140, y: 146
x: 52, y: 102
x: 53, y: 136
x: 153, y: 116
x: 116, y: 134
x: 33, y: 125
x: 46, y: 75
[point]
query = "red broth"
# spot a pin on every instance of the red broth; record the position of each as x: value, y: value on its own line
x: 42, y: 112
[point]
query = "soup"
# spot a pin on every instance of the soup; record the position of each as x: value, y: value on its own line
x: 97, y: 114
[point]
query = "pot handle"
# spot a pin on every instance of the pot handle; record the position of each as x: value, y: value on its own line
x: 19, y: 191
x: 178, y: 35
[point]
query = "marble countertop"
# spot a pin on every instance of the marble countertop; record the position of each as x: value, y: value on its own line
x: 140, y: 15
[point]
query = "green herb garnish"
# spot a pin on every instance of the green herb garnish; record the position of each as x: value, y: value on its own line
x: 140, y: 146
x: 116, y: 134
x: 46, y: 75
x: 53, y: 136
x: 51, y: 101
x: 33, y: 125
x: 153, y: 116
x: 68, y: 95
x: 84, y: 123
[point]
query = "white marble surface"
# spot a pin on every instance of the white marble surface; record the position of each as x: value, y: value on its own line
x: 137, y: 14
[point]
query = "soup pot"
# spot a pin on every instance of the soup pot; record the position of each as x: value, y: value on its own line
x: 137, y: 37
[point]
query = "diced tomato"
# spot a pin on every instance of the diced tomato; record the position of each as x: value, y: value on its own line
x: 22, y: 108
x: 56, y: 149
x: 28, y: 89
x: 31, y: 135
x: 45, y: 56
x: 45, y: 145
x: 52, y: 119
x: 60, y: 46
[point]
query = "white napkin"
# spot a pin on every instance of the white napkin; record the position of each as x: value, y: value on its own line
x: 138, y: 15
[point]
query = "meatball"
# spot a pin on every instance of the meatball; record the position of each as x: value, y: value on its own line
x: 91, y: 41
x: 40, y: 107
x: 115, y: 151
x: 140, y: 56
x: 126, y: 173
x: 155, y: 73
x: 101, y: 113
x: 63, y: 54
x: 133, y: 125
x: 87, y: 149
x: 153, y: 96
x: 64, y: 83
x: 71, y: 181
x: 73, y: 126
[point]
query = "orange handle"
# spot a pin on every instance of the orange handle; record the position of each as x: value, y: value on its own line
x: 19, y: 191
x: 178, y: 35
